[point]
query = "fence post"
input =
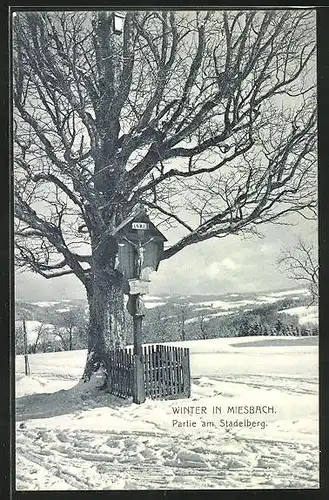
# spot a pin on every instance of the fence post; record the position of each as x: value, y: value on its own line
x: 26, y: 358
x: 186, y: 373
x: 139, y: 382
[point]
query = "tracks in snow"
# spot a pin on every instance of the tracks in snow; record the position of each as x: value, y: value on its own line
x: 87, y: 459
x: 289, y: 385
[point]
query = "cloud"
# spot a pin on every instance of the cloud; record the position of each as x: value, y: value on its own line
x: 218, y: 268
x: 213, y: 270
x: 266, y: 249
x: 229, y: 263
x: 232, y: 264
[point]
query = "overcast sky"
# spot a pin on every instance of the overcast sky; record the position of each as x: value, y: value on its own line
x: 227, y: 265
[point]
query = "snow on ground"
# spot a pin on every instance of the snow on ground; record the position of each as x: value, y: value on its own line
x: 152, y: 305
x: 214, y: 303
x: 46, y: 304
x: 209, y: 316
x: 284, y: 293
x: 265, y: 299
x: 192, y: 320
x: 71, y: 436
x: 153, y: 298
x: 306, y: 314
x: 217, y: 315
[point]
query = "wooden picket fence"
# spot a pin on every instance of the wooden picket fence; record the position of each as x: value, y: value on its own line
x: 120, y: 373
x: 162, y: 372
x: 166, y: 372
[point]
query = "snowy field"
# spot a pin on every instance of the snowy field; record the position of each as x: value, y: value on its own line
x: 70, y: 437
x: 308, y: 314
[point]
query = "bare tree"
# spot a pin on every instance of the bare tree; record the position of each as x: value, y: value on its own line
x: 181, y: 320
x: 206, y: 118
x: 40, y: 331
x: 64, y: 336
x: 69, y: 327
x: 203, y: 324
x: 301, y: 264
x: 19, y: 339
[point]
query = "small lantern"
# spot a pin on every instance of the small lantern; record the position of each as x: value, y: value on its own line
x: 118, y: 20
x: 140, y: 247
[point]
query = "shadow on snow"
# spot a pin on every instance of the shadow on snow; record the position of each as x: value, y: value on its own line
x: 66, y: 401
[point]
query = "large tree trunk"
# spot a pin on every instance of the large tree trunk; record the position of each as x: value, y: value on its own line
x: 106, y: 318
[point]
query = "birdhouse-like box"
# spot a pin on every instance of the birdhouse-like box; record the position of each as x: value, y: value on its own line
x: 140, y: 246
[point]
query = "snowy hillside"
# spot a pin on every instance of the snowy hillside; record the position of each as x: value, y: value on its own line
x: 68, y: 437
x: 305, y: 314
x: 209, y: 308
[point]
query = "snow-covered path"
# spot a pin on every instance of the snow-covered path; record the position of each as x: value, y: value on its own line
x: 86, y: 459
x: 70, y: 438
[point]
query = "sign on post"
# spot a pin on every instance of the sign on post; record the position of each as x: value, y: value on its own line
x: 140, y: 225
x: 138, y: 286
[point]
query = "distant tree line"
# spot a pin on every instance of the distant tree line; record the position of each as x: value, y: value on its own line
x: 268, y: 321
x: 56, y: 331
x: 180, y: 323
x: 176, y: 321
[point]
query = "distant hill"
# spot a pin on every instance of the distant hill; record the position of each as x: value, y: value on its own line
x: 174, y: 317
x: 216, y: 305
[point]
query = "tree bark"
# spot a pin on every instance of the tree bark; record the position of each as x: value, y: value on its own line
x: 106, y: 318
